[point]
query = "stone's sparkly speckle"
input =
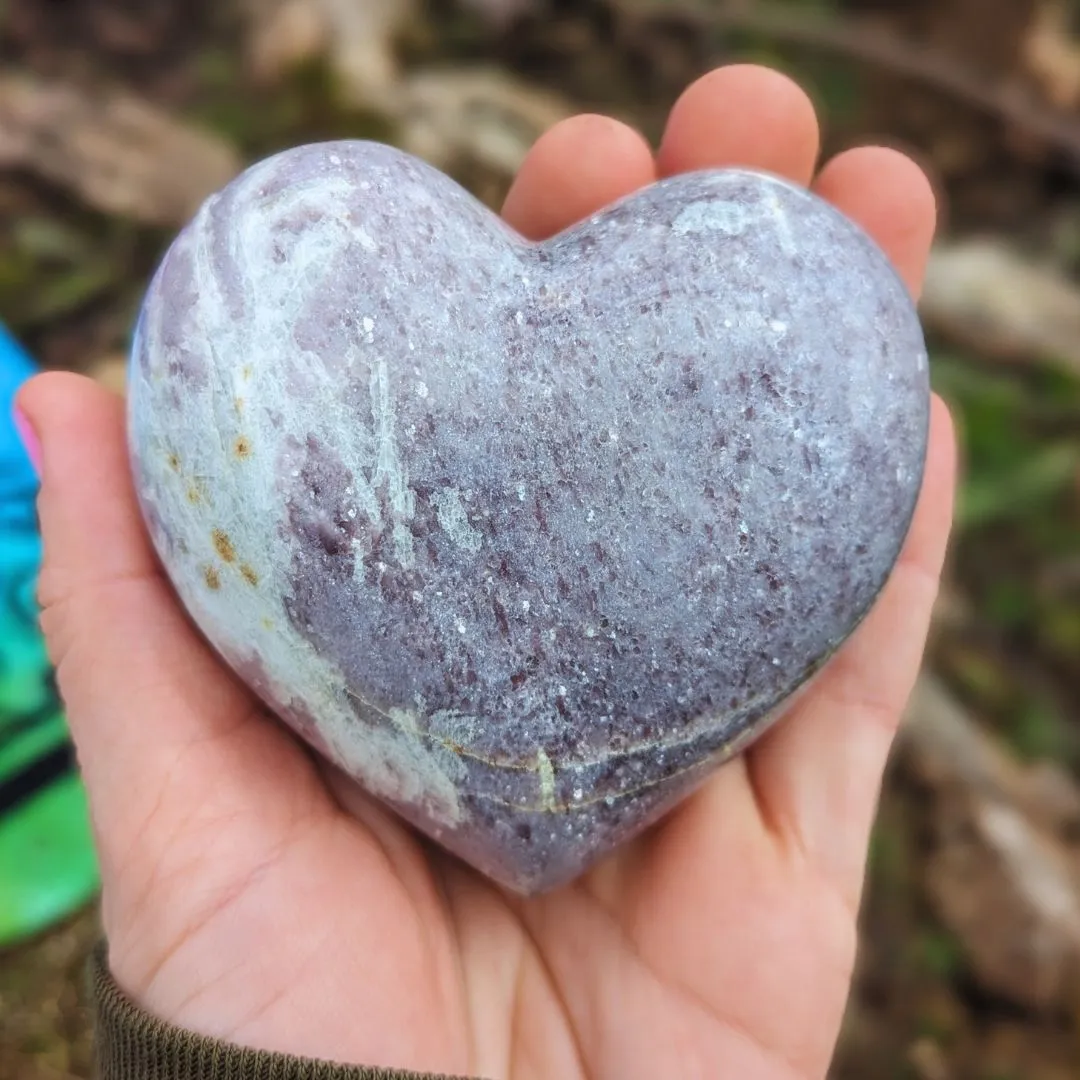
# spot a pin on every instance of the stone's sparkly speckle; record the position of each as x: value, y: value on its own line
x: 544, y: 532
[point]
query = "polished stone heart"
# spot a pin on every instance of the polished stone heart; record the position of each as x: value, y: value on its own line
x: 525, y: 538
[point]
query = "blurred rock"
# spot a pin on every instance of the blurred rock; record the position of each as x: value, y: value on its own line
x: 1003, y: 876
x: 118, y: 153
x: 991, y: 299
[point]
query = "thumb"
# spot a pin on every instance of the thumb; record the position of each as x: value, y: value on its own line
x: 89, y: 520
x: 167, y: 739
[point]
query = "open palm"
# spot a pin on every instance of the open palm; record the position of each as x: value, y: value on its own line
x: 252, y: 895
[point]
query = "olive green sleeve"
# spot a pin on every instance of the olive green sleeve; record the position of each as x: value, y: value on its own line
x: 132, y: 1045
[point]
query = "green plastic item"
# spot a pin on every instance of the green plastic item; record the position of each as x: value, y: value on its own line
x: 48, y: 866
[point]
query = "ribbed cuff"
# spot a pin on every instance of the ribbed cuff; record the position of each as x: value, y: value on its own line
x: 133, y: 1045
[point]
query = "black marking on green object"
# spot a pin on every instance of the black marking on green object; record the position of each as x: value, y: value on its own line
x: 34, y: 777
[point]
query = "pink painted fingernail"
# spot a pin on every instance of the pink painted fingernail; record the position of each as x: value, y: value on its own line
x: 29, y: 438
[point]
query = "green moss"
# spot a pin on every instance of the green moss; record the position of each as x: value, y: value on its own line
x: 307, y: 105
x: 888, y: 863
x: 56, y: 265
x: 1038, y: 731
x: 939, y: 954
x: 982, y: 676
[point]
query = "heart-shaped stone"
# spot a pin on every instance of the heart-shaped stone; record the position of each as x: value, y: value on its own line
x: 525, y: 538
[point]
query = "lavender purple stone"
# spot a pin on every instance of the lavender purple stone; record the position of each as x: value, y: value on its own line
x: 527, y: 538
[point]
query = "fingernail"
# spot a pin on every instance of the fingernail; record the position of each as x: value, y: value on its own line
x: 29, y: 438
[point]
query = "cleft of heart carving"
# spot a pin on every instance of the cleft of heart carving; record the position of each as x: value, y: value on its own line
x: 526, y: 538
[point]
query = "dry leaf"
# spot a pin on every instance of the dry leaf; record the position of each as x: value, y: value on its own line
x: 1003, y: 876
x: 479, y: 113
x: 117, y: 152
x: 500, y: 12
x: 1052, y: 55
x: 928, y: 1061
x: 362, y: 39
x: 110, y: 371
x: 991, y: 299
x: 357, y: 36
x: 282, y: 35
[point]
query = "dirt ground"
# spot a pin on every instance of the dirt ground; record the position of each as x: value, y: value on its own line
x: 964, y: 974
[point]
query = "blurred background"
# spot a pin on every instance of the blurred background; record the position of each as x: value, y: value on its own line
x: 117, y: 117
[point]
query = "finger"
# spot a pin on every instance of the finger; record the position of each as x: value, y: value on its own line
x: 886, y: 193
x: 574, y: 170
x: 152, y: 712
x: 742, y: 115
x: 818, y: 775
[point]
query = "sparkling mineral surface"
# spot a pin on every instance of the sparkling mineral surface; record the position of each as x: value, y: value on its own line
x: 527, y: 538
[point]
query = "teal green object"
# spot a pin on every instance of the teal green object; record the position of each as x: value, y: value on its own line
x: 48, y: 868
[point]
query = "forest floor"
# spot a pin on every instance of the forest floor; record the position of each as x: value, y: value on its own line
x: 117, y: 117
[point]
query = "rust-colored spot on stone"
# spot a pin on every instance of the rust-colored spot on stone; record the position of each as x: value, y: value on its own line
x: 223, y: 545
x: 193, y: 495
x: 248, y: 574
x: 174, y: 462
x: 212, y: 578
x: 268, y: 624
x: 242, y: 446
x: 245, y: 371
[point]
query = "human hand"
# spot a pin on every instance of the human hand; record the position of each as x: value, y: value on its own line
x: 251, y: 895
